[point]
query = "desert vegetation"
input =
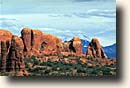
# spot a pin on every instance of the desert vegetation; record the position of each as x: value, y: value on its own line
x: 60, y: 68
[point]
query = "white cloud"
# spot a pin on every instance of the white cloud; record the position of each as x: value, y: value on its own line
x: 10, y: 24
x: 48, y: 29
x: 66, y: 27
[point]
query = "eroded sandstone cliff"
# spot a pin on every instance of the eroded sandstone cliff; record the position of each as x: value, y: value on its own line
x: 33, y: 42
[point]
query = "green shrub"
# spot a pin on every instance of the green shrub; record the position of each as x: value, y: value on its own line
x: 32, y: 60
x: 47, y: 72
x: 64, y: 69
x: 90, y: 58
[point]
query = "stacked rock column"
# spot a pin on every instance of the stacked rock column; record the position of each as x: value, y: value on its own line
x: 4, y: 51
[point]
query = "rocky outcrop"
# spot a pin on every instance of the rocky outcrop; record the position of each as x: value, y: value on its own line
x: 26, y: 36
x: 11, y: 53
x: 15, y: 61
x: 51, y: 44
x: 5, y: 42
x: 76, y: 46
x: 38, y: 44
x: 4, y: 54
x: 45, y: 47
x: 5, y: 36
x: 66, y: 46
x: 32, y: 40
x: 73, y: 46
x: 36, y: 37
x: 95, y: 49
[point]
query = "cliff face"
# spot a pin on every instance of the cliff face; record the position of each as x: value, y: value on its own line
x: 27, y: 40
x: 13, y: 49
x: 5, y: 42
x: 37, y: 43
x: 11, y: 52
x: 32, y: 40
x: 15, y: 60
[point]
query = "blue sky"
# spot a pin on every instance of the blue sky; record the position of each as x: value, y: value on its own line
x: 63, y: 18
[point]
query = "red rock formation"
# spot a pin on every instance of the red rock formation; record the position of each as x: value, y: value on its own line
x: 4, y: 53
x: 46, y: 47
x: 27, y: 40
x: 32, y: 40
x: 5, y: 40
x: 36, y: 43
x: 59, y: 45
x: 77, y: 44
x: 5, y: 36
x: 73, y: 47
x: 15, y: 61
x: 66, y: 46
x: 11, y: 48
x: 95, y: 49
x: 36, y: 37
x: 51, y: 44
x: 35, y: 40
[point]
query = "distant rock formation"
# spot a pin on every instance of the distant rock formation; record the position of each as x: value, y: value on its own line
x: 95, y: 49
x: 76, y: 46
x: 73, y: 46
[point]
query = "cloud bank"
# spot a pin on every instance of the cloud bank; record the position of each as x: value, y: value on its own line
x: 64, y: 18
